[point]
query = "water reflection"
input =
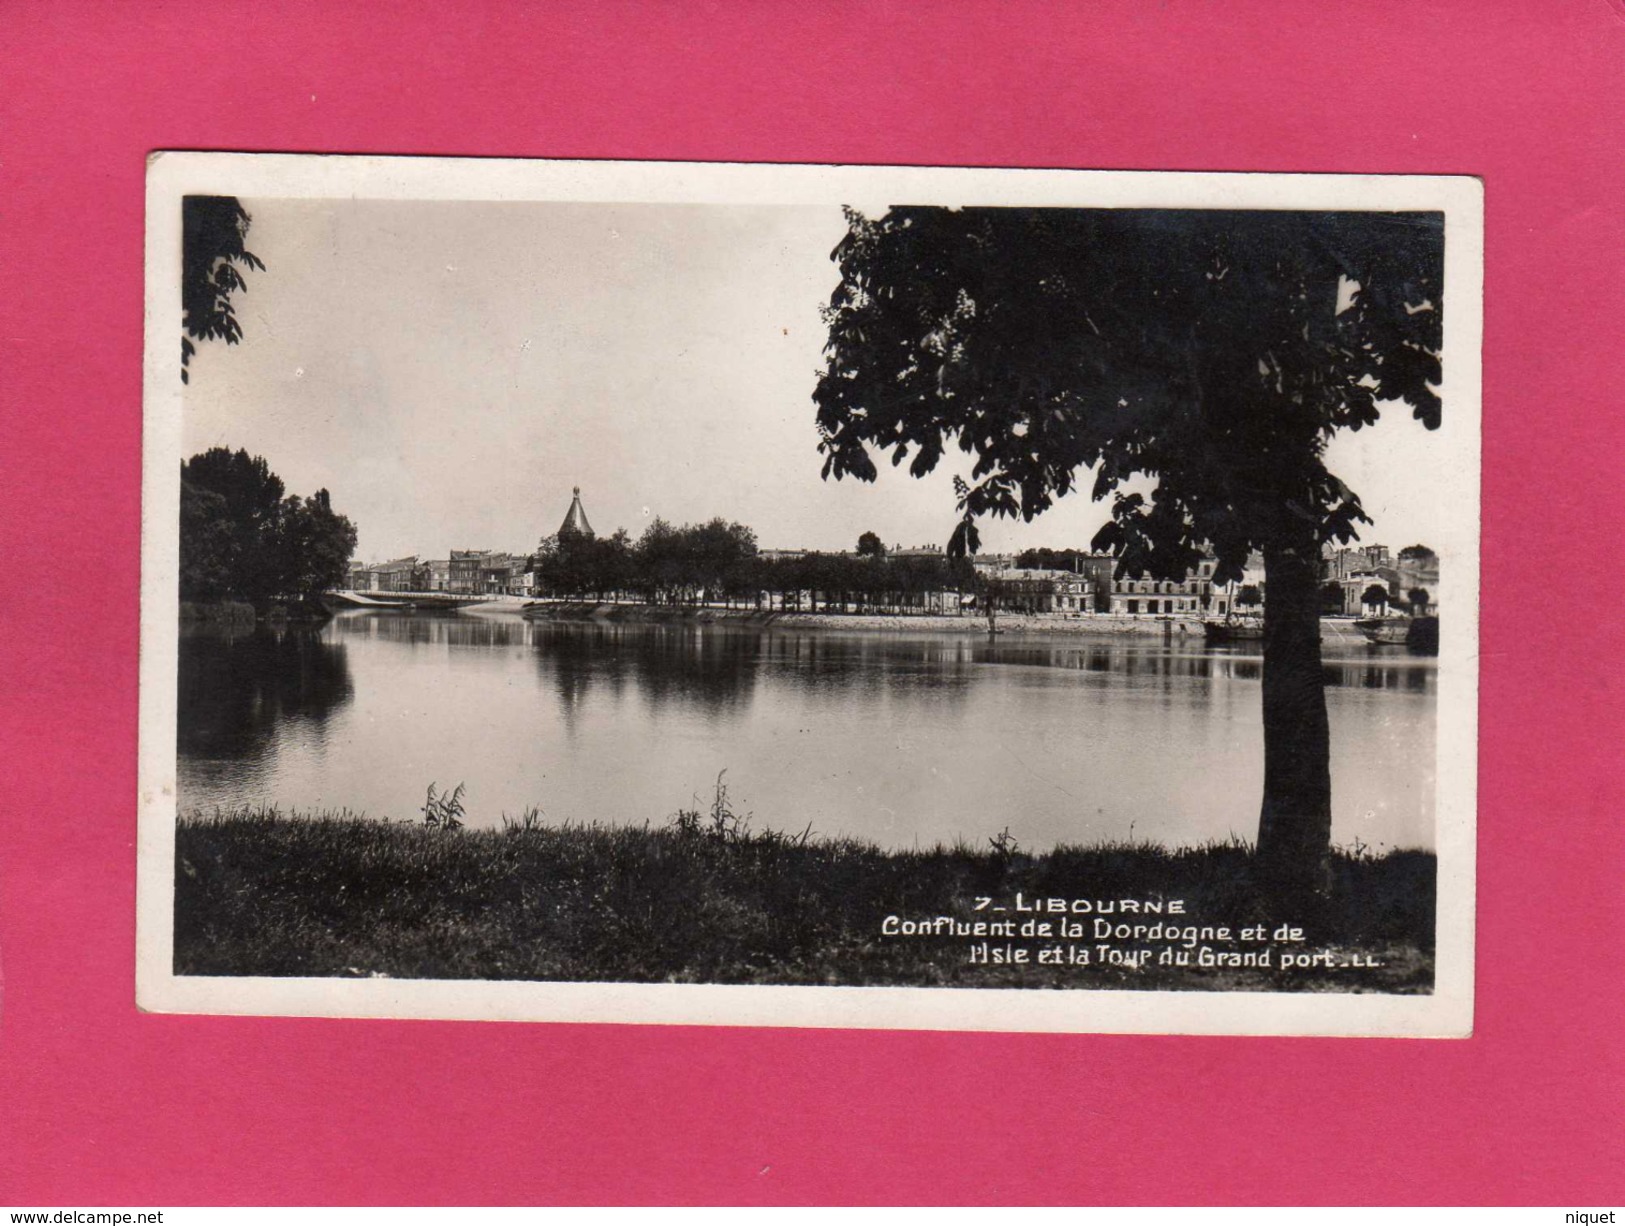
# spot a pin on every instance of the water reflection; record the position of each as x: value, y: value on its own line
x: 244, y: 697
x: 713, y: 672
x: 1416, y: 678
x: 1370, y: 669
x: 717, y: 669
x: 239, y: 690
x: 894, y: 736
x: 868, y: 664
x: 439, y: 629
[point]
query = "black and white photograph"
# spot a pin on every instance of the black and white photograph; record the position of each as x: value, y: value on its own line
x: 810, y: 595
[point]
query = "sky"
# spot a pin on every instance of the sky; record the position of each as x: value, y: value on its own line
x: 450, y: 371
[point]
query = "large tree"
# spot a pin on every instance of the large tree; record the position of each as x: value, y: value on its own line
x: 1196, y: 362
x: 231, y: 508
x: 242, y: 539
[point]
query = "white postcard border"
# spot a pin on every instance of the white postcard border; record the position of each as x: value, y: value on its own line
x: 1446, y: 1012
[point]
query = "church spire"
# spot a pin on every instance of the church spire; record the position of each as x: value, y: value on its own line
x: 575, y: 523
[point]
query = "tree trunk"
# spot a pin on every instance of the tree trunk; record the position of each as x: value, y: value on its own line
x: 1295, y: 823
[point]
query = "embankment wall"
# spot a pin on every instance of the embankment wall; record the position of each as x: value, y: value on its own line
x: 1093, y: 623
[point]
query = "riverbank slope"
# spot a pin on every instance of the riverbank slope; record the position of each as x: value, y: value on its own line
x: 704, y: 899
x: 243, y: 614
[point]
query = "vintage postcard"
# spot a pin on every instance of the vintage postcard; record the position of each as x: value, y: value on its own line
x: 810, y: 595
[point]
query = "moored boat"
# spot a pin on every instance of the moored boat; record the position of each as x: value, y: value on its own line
x: 1384, y: 631
x: 401, y: 602
x: 1234, y: 630
x: 338, y: 602
x: 1418, y: 633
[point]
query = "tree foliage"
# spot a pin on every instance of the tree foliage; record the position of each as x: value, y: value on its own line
x: 1202, y: 351
x: 866, y: 584
x: 1197, y: 363
x: 575, y: 564
x: 243, y: 537
x: 1043, y: 558
x: 718, y: 561
x: 871, y: 546
x: 213, y: 230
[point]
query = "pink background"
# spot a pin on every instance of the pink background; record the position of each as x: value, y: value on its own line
x: 99, y: 1104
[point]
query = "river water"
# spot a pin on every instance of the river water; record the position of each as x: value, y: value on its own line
x: 904, y: 739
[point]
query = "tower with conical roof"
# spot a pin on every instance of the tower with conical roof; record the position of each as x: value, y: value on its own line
x: 575, y: 523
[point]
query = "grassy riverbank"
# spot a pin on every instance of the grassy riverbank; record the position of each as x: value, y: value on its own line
x: 259, y: 893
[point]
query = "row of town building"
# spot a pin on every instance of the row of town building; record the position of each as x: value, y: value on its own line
x: 467, y: 572
x: 1089, y: 586
x: 1409, y: 580
x: 1358, y: 575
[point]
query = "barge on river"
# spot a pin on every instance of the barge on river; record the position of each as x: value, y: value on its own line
x: 1417, y: 633
x: 405, y: 602
x: 1234, y: 630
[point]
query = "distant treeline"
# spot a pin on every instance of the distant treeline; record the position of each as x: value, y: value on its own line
x: 1054, y: 559
x: 243, y: 537
x: 719, y: 561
